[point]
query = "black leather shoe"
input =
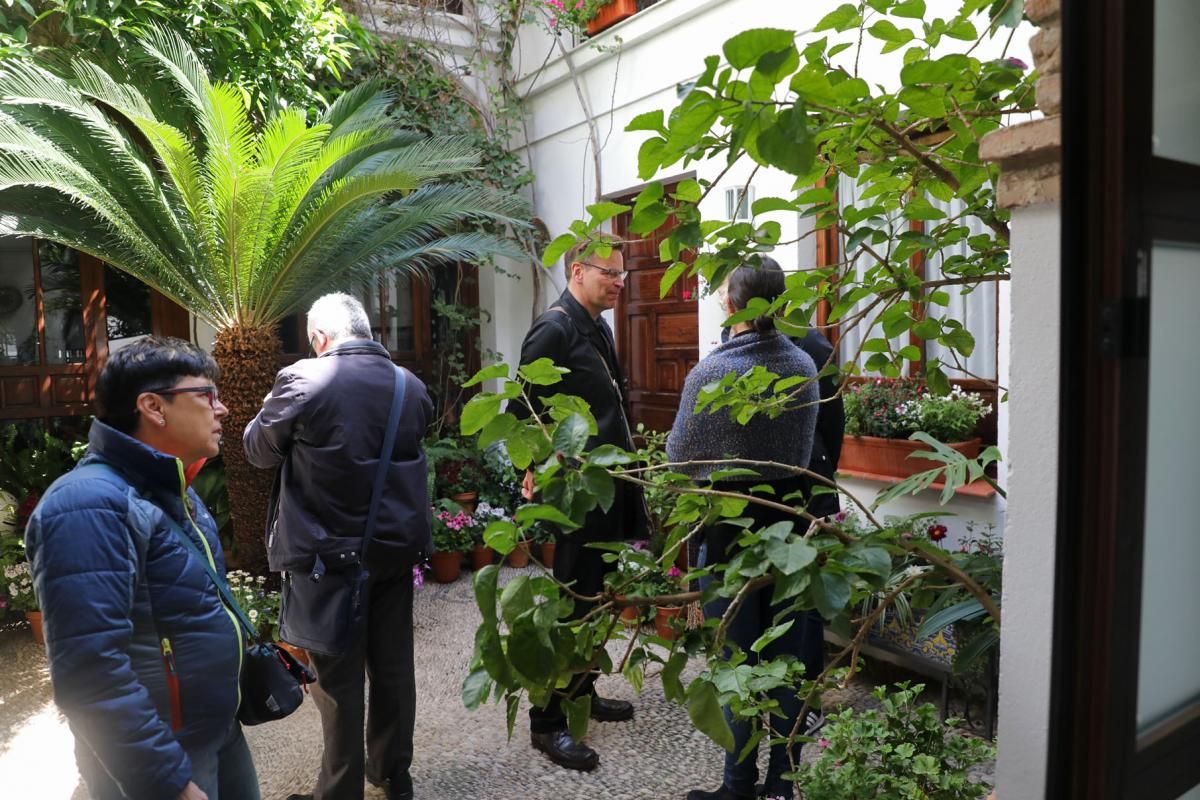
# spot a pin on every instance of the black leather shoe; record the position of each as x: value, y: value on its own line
x: 563, y: 750
x: 724, y: 793
x: 606, y: 710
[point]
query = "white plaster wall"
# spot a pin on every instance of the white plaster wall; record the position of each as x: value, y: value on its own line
x: 1025, y: 648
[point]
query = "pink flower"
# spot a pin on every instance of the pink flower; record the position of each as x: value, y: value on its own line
x: 674, y: 572
x: 1016, y: 62
x: 418, y: 576
x: 823, y: 743
x: 687, y: 294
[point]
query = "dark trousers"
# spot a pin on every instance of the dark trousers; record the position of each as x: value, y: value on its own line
x: 383, y: 649
x: 584, y: 569
x: 803, y: 640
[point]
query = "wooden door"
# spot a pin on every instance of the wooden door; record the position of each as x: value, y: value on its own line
x: 658, y: 339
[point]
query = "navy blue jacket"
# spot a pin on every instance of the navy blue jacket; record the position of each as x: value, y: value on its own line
x: 117, y: 589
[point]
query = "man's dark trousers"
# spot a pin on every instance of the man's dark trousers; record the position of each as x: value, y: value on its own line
x: 585, y: 567
x: 384, y: 649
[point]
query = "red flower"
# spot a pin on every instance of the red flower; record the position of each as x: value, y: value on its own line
x: 687, y: 294
x: 937, y: 532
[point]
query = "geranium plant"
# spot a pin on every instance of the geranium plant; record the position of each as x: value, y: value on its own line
x: 453, y: 531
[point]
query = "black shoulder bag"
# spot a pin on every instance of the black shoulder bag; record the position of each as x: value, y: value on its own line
x: 320, y: 611
x: 271, y: 677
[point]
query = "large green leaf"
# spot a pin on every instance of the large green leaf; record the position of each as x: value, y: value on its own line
x: 748, y: 47
x: 704, y: 708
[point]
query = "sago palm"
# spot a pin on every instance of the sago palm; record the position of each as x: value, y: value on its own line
x: 240, y: 227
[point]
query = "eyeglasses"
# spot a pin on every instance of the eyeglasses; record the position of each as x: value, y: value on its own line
x: 611, y: 274
x: 209, y: 390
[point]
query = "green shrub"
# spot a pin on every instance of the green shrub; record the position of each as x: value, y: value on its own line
x: 902, y: 750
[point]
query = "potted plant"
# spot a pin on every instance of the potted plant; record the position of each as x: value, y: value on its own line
x: 543, y: 537
x: 586, y: 16
x: 452, y: 536
x: 16, y: 590
x: 633, y: 563
x: 881, y: 414
x: 659, y: 583
x: 605, y: 15
x: 519, y: 556
x: 458, y: 471
x: 481, y: 554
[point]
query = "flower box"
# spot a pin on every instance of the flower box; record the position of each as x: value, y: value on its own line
x: 610, y: 14
x: 873, y: 455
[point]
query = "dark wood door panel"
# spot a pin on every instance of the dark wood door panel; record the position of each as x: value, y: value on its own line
x: 657, y: 337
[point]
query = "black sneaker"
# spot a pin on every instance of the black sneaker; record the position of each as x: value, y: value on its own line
x: 813, y: 722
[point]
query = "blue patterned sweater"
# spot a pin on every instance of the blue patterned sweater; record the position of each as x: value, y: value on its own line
x: 787, y: 439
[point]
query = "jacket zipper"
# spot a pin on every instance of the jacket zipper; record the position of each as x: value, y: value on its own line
x: 237, y: 628
x: 168, y: 657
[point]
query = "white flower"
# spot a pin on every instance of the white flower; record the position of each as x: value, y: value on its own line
x: 253, y: 615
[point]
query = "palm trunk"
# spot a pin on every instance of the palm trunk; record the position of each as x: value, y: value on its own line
x: 249, y: 359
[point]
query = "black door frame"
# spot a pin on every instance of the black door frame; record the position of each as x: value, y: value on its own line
x: 1117, y: 200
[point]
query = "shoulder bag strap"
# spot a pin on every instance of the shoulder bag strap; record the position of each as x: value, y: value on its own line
x: 222, y: 589
x: 385, y: 456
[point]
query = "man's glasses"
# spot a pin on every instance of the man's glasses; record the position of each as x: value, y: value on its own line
x: 611, y: 274
x: 209, y: 391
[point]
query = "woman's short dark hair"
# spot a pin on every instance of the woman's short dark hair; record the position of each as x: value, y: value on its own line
x: 765, y: 281
x: 155, y: 362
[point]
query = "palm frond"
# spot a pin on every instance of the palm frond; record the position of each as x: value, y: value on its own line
x: 238, y: 226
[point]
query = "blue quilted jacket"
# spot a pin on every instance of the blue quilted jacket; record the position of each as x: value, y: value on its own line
x: 144, y: 656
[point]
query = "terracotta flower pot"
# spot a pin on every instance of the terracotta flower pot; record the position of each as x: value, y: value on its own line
x: 446, y: 566
x: 35, y: 623
x: 629, y: 614
x: 519, y: 557
x: 467, y: 500
x: 611, y: 14
x: 662, y: 621
x: 548, y: 554
x: 299, y: 653
x: 878, y: 456
x: 481, y: 556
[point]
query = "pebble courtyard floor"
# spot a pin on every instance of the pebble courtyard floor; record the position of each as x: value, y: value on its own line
x: 458, y: 753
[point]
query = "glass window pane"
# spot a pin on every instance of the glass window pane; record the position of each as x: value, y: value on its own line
x: 370, y: 301
x: 126, y: 308
x: 400, y: 336
x: 63, y: 307
x: 1176, y: 80
x: 18, y: 307
x: 1170, y: 638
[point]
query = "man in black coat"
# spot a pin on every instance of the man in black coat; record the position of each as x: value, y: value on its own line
x: 573, y: 334
x: 323, y: 426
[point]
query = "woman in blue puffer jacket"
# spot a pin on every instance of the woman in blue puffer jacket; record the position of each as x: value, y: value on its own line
x: 144, y: 656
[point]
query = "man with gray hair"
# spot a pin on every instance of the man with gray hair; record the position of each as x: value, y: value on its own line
x: 347, y: 572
